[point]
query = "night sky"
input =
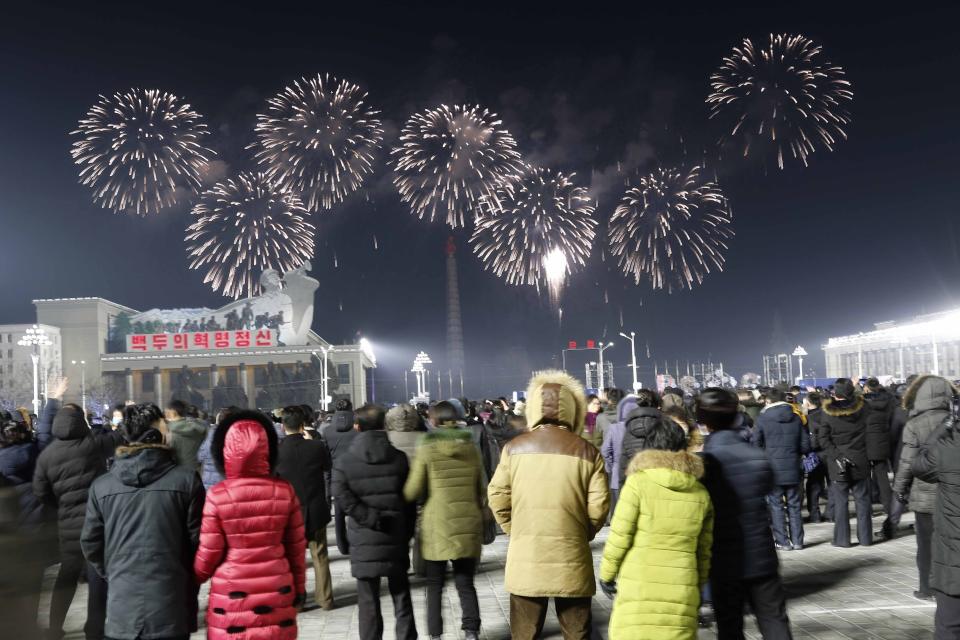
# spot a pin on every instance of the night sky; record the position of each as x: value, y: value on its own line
x: 865, y: 234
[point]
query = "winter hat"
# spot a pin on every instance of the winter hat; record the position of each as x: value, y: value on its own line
x: 402, y: 417
x: 555, y: 397
x: 844, y: 388
x: 873, y: 385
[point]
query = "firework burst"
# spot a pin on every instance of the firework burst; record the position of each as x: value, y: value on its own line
x: 319, y: 138
x: 784, y: 99
x: 537, y: 231
x: 243, y: 226
x: 141, y: 151
x: 672, y: 229
x: 452, y: 158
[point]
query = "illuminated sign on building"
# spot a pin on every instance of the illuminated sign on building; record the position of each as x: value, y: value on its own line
x: 154, y: 342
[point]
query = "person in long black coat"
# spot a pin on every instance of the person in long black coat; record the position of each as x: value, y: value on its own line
x: 843, y: 435
x: 781, y: 433
x: 141, y: 532
x: 368, y: 481
x: 744, y: 565
x: 879, y: 423
x: 304, y: 463
x: 338, y: 435
x: 62, y: 478
x: 939, y: 463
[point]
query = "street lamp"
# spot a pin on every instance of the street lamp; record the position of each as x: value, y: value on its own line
x: 35, y: 337
x: 418, y: 368
x: 799, y: 352
x: 324, y: 378
x: 603, y: 347
x: 83, y: 383
x: 633, y: 358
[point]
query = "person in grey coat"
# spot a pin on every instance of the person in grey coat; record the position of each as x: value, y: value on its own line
x: 141, y: 531
x: 927, y: 402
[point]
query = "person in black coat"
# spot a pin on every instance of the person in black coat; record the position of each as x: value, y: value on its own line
x: 939, y: 462
x: 635, y: 434
x: 818, y: 479
x: 781, y: 433
x: 744, y: 565
x: 65, y: 470
x: 368, y: 481
x: 338, y: 435
x: 880, y: 419
x: 304, y: 462
x: 843, y: 436
x: 146, y: 502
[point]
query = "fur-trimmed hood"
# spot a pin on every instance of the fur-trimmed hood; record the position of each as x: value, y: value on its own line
x: 140, y: 465
x: 554, y: 397
x: 683, y: 469
x: 928, y: 393
x: 841, y: 408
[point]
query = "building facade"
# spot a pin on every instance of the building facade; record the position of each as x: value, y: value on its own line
x: 926, y: 344
x: 210, y: 373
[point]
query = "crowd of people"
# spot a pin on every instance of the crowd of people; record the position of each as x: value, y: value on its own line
x: 700, y: 492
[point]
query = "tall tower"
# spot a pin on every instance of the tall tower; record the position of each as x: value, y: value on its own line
x: 454, y: 323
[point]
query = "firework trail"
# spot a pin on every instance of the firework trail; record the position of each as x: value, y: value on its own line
x: 537, y: 232
x: 672, y: 229
x: 141, y: 151
x: 243, y: 226
x: 318, y: 139
x: 450, y: 159
x: 784, y: 99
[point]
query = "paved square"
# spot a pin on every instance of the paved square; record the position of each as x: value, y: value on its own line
x: 835, y: 594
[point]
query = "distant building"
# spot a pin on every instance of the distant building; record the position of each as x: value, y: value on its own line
x: 926, y: 344
x: 130, y: 357
x: 16, y: 364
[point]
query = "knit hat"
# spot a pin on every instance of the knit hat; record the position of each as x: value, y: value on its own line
x: 402, y: 417
x: 554, y: 397
x: 844, y: 388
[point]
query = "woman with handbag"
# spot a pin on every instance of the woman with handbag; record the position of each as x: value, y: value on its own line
x: 448, y: 473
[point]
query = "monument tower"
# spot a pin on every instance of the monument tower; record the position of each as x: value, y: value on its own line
x: 454, y: 323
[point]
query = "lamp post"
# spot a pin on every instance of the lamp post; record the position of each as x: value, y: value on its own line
x: 633, y: 358
x: 324, y: 379
x: 603, y: 347
x: 83, y: 383
x: 35, y: 337
x: 418, y: 368
x: 799, y: 352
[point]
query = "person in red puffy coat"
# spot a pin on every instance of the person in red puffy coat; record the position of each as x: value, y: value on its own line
x: 251, y: 541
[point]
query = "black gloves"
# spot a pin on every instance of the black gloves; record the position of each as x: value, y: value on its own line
x: 609, y: 588
x: 300, y: 600
x: 844, y: 464
x: 902, y: 499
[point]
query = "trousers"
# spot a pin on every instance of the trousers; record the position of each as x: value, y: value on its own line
x: 816, y: 486
x: 463, y: 572
x: 368, y: 608
x: 946, y: 622
x: 65, y: 587
x: 841, y: 519
x: 794, y: 515
x: 924, y: 527
x: 767, y: 601
x: 323, y: 594
x: 528, y: 614
x: 880, y: 473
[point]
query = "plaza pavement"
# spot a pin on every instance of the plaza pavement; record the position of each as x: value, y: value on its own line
x: 835, y: 594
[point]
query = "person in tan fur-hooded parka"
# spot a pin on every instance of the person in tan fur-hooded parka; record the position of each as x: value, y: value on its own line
x: 549, y: 494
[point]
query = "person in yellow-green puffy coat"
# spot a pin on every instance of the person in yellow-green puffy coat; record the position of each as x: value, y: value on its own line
x: 657, y: 555
x: 447, y: 470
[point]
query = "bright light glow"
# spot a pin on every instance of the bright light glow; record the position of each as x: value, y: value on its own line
x: 943, y: 326
x: 367, y: 350
x: 555, y: 267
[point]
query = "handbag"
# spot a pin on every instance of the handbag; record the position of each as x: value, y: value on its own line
x: 810, y: 462
x: 489, y: 525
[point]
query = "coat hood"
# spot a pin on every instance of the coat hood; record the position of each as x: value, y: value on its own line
x: 402, y: 417
x: 246, y: 453
x: 928, y: 393
x: 678, y: 470
x: 625, y: 406
x: 881, y: 400
x: 70, y: 424
x: 342, y: 420
x: 843, y: 408
x: 640, y: 419
x: 555, y: 397
x: 780, y: 411
x: 373, y: 447
x: 453, y: 442
x: 140, y: 465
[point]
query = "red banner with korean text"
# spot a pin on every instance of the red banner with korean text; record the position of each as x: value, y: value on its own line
x: 241, y: 339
